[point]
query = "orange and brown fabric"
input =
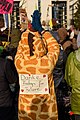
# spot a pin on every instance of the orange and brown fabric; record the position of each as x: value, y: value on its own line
x: 42, y: 61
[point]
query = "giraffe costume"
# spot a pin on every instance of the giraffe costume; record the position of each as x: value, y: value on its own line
x: 37, y: 54
x: 42, y: 61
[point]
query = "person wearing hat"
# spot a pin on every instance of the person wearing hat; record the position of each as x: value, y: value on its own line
x: 36, y: 56
x: 8, y: 75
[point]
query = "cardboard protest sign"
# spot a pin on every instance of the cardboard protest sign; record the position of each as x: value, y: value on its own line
x: 6, y: 6
x: 33, y: 84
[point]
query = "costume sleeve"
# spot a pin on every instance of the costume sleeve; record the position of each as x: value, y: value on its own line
x: 52, y: 46
x: 23, y: 46
x: 44, y: 62
x: 68, y: 69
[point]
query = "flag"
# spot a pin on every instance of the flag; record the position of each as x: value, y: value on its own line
x: 6, y: 6
x: 6, y: 20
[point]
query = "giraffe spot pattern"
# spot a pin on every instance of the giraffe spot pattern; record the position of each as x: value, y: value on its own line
x: 37, y: 106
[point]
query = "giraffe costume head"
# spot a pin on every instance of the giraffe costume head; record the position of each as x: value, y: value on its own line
x: 40, y: 58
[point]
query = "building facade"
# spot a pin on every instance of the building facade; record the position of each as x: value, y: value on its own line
x: 72, y: 8
x: 49, y: 9
x: 62, y: 10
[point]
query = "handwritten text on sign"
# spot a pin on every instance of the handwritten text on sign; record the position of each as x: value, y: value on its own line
x: 33, y: 84
x: 6, y: 6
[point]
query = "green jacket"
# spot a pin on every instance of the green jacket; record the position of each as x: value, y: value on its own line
x: 72, y: 76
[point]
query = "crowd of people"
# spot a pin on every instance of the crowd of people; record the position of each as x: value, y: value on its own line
x: 37, y: 53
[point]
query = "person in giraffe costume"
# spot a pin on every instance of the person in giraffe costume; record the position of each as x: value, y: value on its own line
x: 37, y: 54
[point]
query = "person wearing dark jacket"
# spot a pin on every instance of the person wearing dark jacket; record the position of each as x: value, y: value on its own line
x: 8, y: 75
x: 58, y: 72
x: 61, y: 87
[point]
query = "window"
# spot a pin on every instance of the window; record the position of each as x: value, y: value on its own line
x: 59, y: 11
x: 15, y: 14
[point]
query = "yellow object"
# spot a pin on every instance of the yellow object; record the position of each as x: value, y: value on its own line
x: 5, y: 43
x: 50, y: 23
